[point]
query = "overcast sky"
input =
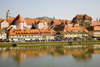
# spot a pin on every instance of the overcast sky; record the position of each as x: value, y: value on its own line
x: 60, y: 9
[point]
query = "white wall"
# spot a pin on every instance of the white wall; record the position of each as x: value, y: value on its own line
x: 3, y: 36
x: 29, y: 26
x: 4, y: 24
x: 41, y: 25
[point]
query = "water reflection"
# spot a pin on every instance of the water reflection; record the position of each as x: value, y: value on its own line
x: 19, y: 54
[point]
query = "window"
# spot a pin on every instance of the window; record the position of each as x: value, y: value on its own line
x: 13, y: 31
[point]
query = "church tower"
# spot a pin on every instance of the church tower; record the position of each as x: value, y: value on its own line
x: 8, y: 15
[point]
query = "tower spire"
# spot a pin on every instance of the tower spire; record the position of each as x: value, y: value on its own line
x: 8, y: 14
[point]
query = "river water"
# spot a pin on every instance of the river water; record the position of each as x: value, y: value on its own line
x: 49, y: 57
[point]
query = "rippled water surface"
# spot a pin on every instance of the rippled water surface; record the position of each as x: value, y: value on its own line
x: 49, y: 57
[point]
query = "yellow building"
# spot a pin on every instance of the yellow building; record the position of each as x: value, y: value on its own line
x: 75, y: 31
x: 82, y: 20
x: 31, y: 34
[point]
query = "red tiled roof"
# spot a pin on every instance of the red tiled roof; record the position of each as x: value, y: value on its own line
x: 32, y: 32
x: 10, y: 20
x: 69, y: 21
x: 95, y: 23
x: 30, y: 21
x: 1, y: 20
x: 75, y: 29
x: 59, y: 22
x: 96, y: 28
x: 83, y: 17
x: 19, y: 18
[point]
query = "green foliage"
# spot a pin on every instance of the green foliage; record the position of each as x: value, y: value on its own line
x: 44, y: 18
x: 32, y: 26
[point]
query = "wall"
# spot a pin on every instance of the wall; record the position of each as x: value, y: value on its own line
x: 96, y: 33
x: 4, y: 24
x: 21, y: 25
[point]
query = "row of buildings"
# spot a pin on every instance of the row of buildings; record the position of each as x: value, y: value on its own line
x: 19, y: 28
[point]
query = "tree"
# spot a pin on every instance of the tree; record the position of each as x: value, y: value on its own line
x: 32, y: 26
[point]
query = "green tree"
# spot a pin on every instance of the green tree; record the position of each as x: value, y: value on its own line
x: 32, y: 26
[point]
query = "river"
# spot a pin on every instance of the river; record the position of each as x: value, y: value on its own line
x: 49, y: 57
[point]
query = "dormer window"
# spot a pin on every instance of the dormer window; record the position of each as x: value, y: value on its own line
x: 13, y: 31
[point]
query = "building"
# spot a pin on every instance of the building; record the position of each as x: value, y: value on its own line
x: 20, y: 22
x: 41, y: 24
x: 75, y: 32
x: 8, y: 15
x: 82, y: 20
x: 95, y: 23
x: 59, y: 31
x: 30, y: 22
x: 96, y: 31
x: 31, y: 34
x: 3, y: 24
x: 3, y: 35
x: 90, y: 31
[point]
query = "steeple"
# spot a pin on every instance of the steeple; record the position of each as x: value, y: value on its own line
x: 8, y: 14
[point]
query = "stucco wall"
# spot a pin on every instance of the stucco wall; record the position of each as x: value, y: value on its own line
x: 4, y: 24
x: 21, y: 25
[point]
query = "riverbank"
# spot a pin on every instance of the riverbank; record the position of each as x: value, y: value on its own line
x: 50, y: 43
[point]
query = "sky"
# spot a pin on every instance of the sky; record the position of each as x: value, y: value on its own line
x: 60, y: 9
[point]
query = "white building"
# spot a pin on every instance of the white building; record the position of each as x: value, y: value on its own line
x: 42, y: 24
x: 3, y: 35
x: 28, y: 34
x: 20, y: 22
x: 3, y: 24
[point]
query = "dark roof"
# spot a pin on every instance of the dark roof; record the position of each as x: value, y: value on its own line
x: 59, y: 28
x: 90, y: 28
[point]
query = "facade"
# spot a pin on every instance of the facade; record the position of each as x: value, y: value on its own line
x: 31, y: 34
x: 59, y: 30
x: 95, y: 23
x: 96, y: 31
x: 3, y: 35
x: 30, y: 22
x: 82, y: 20
x: 20, y: 22
x: 41, y: 24
x: 69, y: 23
x: 3, y: 24
x: 75, y: 32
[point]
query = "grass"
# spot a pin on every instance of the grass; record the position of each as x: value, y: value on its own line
x: 52, y: 43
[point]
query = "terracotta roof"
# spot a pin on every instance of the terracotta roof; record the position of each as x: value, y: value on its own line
x: 75, y: 29
x: 90, y: 28
x: 32, y: 32
x: 96, y: 28
x: 19, y: 18
x: 43, y: 21
x: 10, y: 20
x: 58, y: 22
x: 1, y: 20
x: 96, y: 23
x: 69, y: 21
x: 30, y: 21
x: 83, y: 17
